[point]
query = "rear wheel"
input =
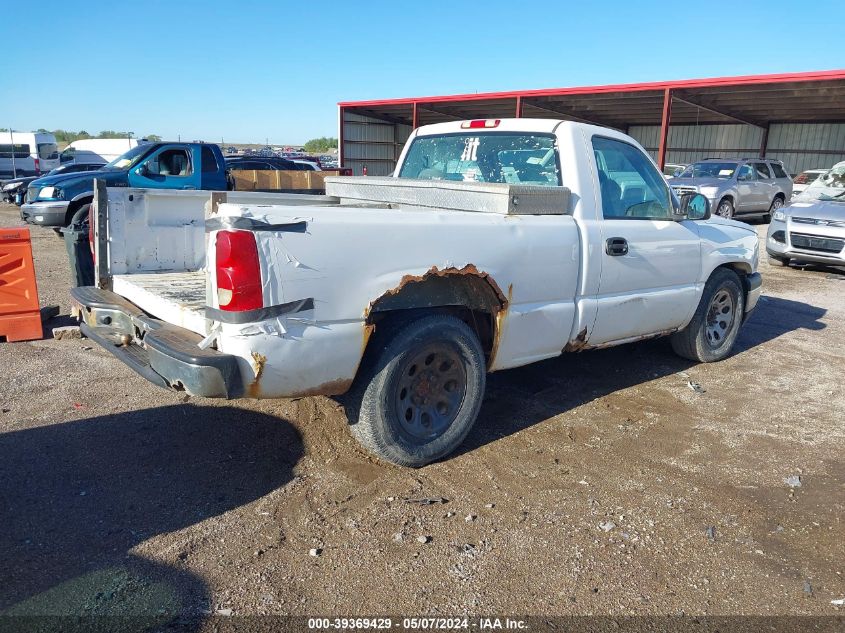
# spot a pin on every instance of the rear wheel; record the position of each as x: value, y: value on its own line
x: 714, y: 327
x: 420, y: 391
x: 725, y: 208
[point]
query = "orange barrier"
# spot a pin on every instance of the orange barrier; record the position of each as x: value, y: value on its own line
x: 20, y: 319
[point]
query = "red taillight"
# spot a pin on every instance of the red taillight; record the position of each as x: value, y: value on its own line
x: 37, y: 166
x: 800, y: 179
x: 238, y: 272
x: 480, y: 123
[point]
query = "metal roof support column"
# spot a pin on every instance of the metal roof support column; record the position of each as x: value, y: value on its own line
x: 518, y: 106
x: 764, y: 142
x: 664, y: 128
x: 340, y: 147
x: 414, y: 119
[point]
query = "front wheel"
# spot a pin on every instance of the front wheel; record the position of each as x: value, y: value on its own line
x: 725, y: 209
x: 711, y: 333
x: 777, y: 203
x: 420, y: 392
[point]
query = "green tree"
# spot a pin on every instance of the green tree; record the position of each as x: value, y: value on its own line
x: 153, y: 137
x: 322, y: 144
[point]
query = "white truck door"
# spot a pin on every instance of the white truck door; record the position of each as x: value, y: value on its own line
x: 650, y: 262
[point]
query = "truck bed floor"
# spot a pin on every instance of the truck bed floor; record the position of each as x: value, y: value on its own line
x: 178, y: 298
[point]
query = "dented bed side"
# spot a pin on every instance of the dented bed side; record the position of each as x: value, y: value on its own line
x: 329, y: 275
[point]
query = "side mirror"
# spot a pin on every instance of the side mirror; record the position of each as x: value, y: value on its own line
x: 143, y: 170
x: 694, y: 206
x: 677, y: 172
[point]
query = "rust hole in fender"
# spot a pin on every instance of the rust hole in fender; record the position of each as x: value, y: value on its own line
x: 451, y: 287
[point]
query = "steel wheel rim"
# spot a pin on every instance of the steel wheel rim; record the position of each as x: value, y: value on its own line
x: 724, y: 210
x: 720, y: 318
x: 777, y: 203
x: 430, y: 391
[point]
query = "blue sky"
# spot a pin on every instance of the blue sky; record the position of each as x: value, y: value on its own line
x: 246, y: 70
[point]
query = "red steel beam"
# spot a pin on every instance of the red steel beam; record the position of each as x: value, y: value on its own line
x: 414, y: 119
x: 713, y: 82
x: 518, y: 106
x: 664, y: 127
x: 340, y: 148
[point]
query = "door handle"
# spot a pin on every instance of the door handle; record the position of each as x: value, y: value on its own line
x: 616, y: 246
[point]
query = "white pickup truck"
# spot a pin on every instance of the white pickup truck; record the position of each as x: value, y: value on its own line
x: 497, y: 243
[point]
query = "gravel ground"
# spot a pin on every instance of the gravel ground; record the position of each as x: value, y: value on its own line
x: 595, y: 483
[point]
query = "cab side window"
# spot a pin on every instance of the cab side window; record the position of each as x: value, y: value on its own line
x: 170, y: 162
x: 631, y: 188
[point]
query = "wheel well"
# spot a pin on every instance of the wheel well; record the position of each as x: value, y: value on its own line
x: 727, y: 197
x: 740, y: 268
x: 781, y: 195
x: 74, y: 206
x: 466, y: 293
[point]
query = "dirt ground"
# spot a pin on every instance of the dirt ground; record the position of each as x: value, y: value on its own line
x: 595, y: 483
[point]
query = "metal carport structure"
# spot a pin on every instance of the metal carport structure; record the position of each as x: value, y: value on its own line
x: 797, y: 117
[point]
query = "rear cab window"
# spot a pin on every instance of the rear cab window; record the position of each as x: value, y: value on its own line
x: 500, y: 157
x: 209, y: 160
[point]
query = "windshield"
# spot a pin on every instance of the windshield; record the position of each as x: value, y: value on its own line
x: 129, y: 159
x: 487, y: 157
x: 829, y: 186
x: 709, y: 169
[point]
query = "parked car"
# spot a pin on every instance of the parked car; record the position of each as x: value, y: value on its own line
x: 481, y: 273
x: 737, y: 186
x: 263, y: 163
x: 54, y: 200
x: 15, y: 190
x: 805, y: 179
x: 27, y: 154
x: 812, y: 227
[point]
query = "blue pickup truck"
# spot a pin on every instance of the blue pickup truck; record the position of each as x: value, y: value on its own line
x: 55, y: 200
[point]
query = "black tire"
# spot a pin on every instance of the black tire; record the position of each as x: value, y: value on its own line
x: 777, y: 203
x: 433, y: 366
x: 725, y: 208
x: 710, y: 335
x: 778, y: 261
x: 79, y: 251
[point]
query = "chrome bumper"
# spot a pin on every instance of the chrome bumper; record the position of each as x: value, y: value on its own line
x: 45, y: 213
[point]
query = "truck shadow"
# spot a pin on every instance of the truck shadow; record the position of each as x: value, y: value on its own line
x: 520, y: 398
x: 76, y: 497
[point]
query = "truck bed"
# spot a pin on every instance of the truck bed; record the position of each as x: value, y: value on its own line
x: 178, y: 298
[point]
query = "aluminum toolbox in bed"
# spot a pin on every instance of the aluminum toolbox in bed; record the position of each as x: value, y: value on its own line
x: 482, y: 197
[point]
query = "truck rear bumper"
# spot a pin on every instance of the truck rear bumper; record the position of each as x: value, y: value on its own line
x: 164, y: 354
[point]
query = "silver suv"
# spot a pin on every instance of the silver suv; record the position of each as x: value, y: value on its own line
x: 737, y: 186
